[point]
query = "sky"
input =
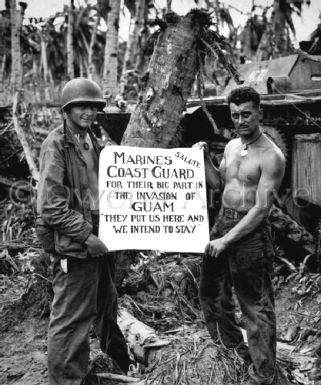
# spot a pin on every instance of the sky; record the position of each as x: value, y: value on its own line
x: 304, y: 26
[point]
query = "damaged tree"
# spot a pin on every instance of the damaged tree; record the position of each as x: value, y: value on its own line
x: 132, y: 48
x: 110, y: 86
x: 70, y: 45
x: 16, y: 68
x: 22, y: 127
x: 168, y: 82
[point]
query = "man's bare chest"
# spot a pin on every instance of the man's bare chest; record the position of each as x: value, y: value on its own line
x: 245, y: 169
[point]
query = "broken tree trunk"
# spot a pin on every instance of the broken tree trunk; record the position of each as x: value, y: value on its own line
x: 168, y: 82
x: 70, y: 45
x: 16, y: 60
x: 110, y: 86
x: 132, y: 48
x: 44, y: 58
x: 22, y: 137
x: 91, y: 69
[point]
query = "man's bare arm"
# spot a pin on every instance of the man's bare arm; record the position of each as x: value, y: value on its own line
x: 272, y: 172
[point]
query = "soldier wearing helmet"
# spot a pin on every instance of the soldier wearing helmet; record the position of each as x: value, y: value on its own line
x: 67, y: 226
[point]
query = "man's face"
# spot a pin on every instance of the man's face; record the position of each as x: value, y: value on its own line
x: 246, y: 118
x: 82, y: 115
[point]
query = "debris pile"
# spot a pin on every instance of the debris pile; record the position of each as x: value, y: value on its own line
x: 193, y: 358
x: 23, y: 261
x: 162, y: 290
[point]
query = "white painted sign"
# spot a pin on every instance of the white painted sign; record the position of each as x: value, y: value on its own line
x: 153, y: 199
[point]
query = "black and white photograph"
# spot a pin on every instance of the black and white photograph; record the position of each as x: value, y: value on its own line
x: 160, y: 192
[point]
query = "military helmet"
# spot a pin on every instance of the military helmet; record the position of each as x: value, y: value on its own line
x: 82, y: 90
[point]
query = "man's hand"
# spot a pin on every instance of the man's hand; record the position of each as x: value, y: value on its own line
x: 96, y: 248
x: 201, y: 146
x: 212, y: 173
x: 214, y: 248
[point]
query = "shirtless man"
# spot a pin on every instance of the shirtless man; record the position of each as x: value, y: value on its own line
x: 67, y: 226
x: 240, y: 252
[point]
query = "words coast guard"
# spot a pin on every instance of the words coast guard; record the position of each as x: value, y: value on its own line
x: 122, y: 167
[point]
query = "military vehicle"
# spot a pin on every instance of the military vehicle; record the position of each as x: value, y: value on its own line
x: 290, y: 89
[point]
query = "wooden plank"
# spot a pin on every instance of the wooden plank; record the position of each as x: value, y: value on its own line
x: 306, y: 168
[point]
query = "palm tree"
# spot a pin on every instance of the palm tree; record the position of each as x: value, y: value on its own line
x: 47, y: 76
x: 282, y: 23
x: 87, y: 20
x: 110, y: 83
x: 252, y: 33
x: 55, y: 48
x: 16, y: 59
x: 132, y: 48
x: 91, y: 69
x: 70, y: 45
x: 216, y: 76
x: 85, y: 42
x: 5, y: 42
x: 276, y: 37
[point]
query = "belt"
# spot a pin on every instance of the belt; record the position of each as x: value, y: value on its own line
x: 233, y: 214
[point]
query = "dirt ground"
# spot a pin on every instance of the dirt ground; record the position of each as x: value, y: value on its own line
x: 23, y: 352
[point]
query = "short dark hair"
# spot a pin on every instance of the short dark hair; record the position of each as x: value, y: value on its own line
x: 242, y: 95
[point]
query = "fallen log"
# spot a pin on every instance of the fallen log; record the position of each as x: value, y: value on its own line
x: 134, y: 330
x: 142, y: 339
